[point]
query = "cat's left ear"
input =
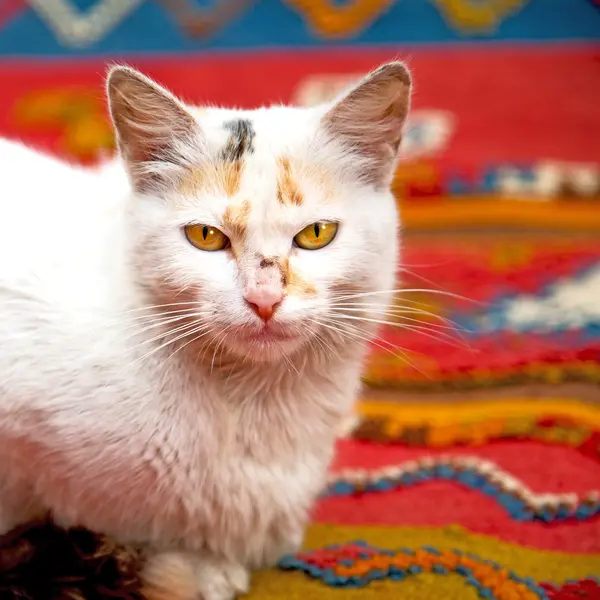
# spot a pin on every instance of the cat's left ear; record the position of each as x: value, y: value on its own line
x: 151, y: 125
x: 368, y: 121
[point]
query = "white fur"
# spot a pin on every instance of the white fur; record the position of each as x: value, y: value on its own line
x: 207, y: 448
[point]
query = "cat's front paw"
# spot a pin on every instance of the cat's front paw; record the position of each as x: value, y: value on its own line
x: 220, y: 580
x: 184, y: 576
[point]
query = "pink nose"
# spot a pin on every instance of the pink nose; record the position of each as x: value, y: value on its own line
x: 263, y: 300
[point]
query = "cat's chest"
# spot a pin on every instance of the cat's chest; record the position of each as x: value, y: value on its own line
x: 231, y: 487
x: 252, y: 450
x: 194, y: 460
x: 249, y: 446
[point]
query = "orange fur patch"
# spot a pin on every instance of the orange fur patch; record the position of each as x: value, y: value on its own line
x: 232, y: 176
x: 287, y: 186
x: 235, y: 219
x: 295, y: 284
x: 218, y: 177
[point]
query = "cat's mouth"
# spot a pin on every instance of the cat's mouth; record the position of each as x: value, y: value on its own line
x: 268, y: 334
x: 267, y: 343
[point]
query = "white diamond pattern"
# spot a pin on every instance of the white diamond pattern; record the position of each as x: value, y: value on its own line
x: 79, y: 29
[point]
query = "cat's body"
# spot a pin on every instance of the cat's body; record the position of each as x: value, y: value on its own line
x: 206, y: 434
x: 68, y: 349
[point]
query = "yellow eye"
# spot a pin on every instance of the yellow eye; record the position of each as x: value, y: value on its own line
x: 205, y: 237
x: 316, y: 236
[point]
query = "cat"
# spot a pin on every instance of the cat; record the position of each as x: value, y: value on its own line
x: 183, y: 329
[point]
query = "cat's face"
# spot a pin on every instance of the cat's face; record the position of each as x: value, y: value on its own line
x: 255, y: 229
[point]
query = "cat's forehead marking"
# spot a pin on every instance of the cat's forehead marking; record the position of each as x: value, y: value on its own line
x: 216, y: 177
x: 225, y: 173
x: 240, y: 141
x: 288, y: 191
x: 235, y: 219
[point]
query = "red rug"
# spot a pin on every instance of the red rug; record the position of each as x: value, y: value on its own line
x: 473, y: 470
x: 498, y: 501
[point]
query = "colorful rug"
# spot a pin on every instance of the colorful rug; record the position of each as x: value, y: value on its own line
x: 496, y: 500
x: 485, y: 309
x: 473, y: 468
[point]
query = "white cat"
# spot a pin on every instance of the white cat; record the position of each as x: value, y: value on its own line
x: 182, y: 330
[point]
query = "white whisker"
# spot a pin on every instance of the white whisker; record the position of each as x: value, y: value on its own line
x: 221, y: 339
x: 289, y: 362
x: 417, y: 276
x: 165, y: 344
x: 159, y: 306
x: 356, y: 334
x: 165, y: 313
x: 398, y: 314
x: 374, y: 306
x: 156, y: 324
x: 167, y: 333
x: 195, y: 339
x: 443, y: 337
x: 407, y: 291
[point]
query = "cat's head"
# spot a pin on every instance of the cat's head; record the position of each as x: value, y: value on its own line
x: 264, y: 230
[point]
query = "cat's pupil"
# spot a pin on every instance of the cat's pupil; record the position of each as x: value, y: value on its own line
x: 317, y: 230
x: 205, y: 232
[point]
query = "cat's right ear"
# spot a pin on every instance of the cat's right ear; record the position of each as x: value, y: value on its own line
x: 152, y: 126
x: 369, y: 120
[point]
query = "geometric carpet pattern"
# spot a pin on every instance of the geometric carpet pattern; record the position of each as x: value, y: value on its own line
x: 509, y: 514
x: 482, y: 310
x: 356, y: 565
x: 472, y: 470
x: 426, y: 563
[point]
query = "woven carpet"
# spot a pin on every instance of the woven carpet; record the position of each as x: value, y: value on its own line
x: 472, y: 468
x: 484, y: 309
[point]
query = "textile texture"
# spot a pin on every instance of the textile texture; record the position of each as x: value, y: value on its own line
x: 472, y: 467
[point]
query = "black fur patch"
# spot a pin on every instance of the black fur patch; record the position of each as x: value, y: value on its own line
x: 41, y: 561
x: 240, y: 140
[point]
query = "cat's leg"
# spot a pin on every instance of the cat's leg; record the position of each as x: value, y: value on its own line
x: 283, y: 537
x: 187, y: 576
